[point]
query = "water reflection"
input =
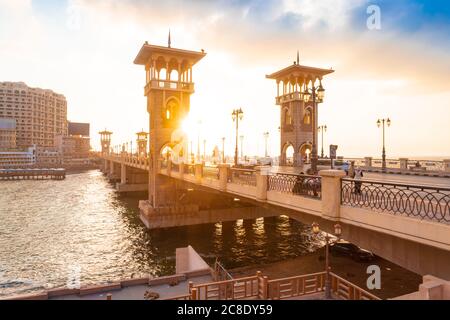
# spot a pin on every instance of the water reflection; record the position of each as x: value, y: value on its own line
x: 52, y: 227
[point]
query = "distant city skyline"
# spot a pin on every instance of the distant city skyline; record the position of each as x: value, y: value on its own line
x: 85, y: 49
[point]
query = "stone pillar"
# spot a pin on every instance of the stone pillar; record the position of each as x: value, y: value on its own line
x: 297, y: 159
x: 105, y: 166
x: 181, y: 169
x: 111, y: 167
x: 169, y: 167
x: 123, y: 173
x: 403, y: 163
x: 447, y: 165
x: 368, y: 162
x: 331, y: 193
x: 223, y: 175
x: 198, y: 172
x: 262, y: 177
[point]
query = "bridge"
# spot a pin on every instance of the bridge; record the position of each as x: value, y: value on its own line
x: 407, y: 224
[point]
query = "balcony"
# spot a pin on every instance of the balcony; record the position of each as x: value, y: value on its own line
x: 169, y: 85
x: 288, y: 97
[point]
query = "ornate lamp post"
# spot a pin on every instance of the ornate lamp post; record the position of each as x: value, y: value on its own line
x: 317, y: 94
x: 237, y: 115
x: 242, y: 146
x: 337, y: 232
x: 266, y: 137
x: 322, y: 129
x: 383, y: 154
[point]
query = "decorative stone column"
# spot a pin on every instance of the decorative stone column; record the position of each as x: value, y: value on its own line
x: 447, y: 165
x: 262, y: 179
x: 198, y: 167
x: 368, y: 162
x: 331, y: 193
x: 223, y: 176
x: 123, y: 173
x: 169, y: 167
x: 181, y: 169
x: 111, y: 167
x: 403, y: 163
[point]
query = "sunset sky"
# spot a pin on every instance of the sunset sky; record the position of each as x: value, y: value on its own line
x: 85, y: 50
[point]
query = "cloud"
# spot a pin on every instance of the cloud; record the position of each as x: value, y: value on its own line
x: 89, y: 58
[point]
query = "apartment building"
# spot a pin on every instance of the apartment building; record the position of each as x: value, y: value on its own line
x: 40, y: 114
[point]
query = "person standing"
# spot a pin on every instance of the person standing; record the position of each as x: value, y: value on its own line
x: 358, y: 177
x: 351, y: 170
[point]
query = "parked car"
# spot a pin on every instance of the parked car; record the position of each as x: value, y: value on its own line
x: 351, y: 250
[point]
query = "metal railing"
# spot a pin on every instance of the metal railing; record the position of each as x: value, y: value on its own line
x: 243, y: 176
x: 296, y: 184
x: 211, y: 172
x: 220, y: 273
x: 424, y: 202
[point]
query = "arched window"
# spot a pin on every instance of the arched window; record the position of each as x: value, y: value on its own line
x: 290, y: 155
x: 307, y: 117
x: 162, y: 74
x: 173, y: 75
x: 287, y: 116
x: 171, y: 109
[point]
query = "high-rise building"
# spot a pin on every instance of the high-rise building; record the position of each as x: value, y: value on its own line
x: 40, y: 114
x: 7, y: 134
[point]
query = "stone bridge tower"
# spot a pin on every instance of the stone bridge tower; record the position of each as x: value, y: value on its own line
x: 168, y: 89
x: 105, y: 140
x: 298, y: 116
x: 141, y: 143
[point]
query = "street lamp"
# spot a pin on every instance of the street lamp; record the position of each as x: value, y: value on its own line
x: 237, y: 115
x: 316, y: 94
x: 322, y: 129
x: 266, y: 137
x: 337, y: 232
x: 242, y: 146
x: 383, y: 154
